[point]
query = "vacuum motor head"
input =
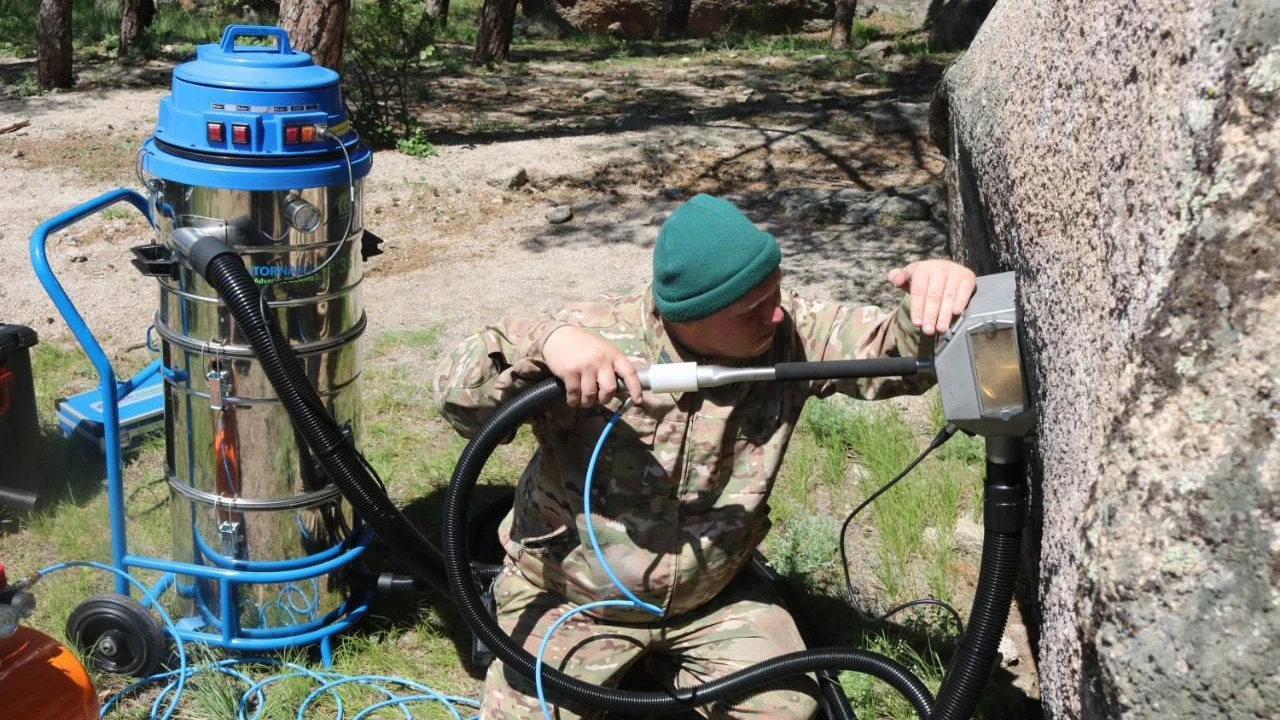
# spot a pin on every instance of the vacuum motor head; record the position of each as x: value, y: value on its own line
x: 249, y: 116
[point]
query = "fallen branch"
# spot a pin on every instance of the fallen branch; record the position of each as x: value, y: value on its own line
x: 14, y: 126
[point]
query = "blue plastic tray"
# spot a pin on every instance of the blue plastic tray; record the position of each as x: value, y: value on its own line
x: 140, y: 411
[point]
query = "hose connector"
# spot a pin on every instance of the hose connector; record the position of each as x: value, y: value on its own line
x: 198, y: 248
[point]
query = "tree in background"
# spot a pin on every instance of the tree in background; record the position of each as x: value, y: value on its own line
x: 493, y: 41
x: 53, y: 44
x: 387, y: 46
x: 842, y: 23
x: 317, y: 27
x: 674, y: 20
x: 135, y: 16
x: 438, y: 11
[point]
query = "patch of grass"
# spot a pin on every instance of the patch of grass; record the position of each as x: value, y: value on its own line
x: 871, y: 698
x: 423, y: 340
x: 119, y: 213
x: 26, y: 86
x: 464, y: 16
x: 914, y: 47
x: 801, y: 551
x: 58, y: 370
x: 416, y: 145
x: 901, y: 547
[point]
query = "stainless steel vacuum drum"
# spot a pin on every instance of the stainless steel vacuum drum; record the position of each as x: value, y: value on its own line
x: 253, y: 148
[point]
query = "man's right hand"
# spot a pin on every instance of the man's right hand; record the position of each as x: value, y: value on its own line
x: 589, y: 366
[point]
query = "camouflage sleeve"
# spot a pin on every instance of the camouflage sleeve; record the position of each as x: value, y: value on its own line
x: 500, y: 360
x: 487, y: 368
x: 833, y: 331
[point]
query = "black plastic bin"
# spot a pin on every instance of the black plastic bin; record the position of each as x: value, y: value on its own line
x: 20, y: 450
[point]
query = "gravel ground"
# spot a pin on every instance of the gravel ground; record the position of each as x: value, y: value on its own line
x: 458, y: 249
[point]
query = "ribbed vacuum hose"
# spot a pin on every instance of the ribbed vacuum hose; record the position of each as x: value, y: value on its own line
x: 971, y: 668
x: 505, y: 420
x: 834, y: 700
x: 227, y: 274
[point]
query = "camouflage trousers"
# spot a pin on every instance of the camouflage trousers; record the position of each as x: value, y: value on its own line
x: 742, y: 626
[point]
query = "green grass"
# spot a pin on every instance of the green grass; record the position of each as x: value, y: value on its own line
x: 872, y: 698
x: 841, y: 452
x: 900, y: 547
x: 464, y: 18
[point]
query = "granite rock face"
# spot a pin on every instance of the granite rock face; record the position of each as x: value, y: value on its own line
x: 1124, y: 160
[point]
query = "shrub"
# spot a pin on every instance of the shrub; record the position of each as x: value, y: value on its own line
x: 388, y: 44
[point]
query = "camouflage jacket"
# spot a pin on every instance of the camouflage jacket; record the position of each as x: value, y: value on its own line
x: 679, y: 497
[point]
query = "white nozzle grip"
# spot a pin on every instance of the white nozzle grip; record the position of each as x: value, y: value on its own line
x: 671, y: 377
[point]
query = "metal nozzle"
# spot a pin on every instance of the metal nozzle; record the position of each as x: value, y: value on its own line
x: 688, y: 377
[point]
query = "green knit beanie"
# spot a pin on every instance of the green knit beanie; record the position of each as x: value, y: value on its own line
x: 708, y: 254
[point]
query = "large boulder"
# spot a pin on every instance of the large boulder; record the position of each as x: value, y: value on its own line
x: 638, y: 19
x: 1124, y: 160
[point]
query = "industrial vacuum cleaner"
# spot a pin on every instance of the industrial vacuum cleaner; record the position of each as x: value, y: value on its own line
x: 252, y: 181
x: 253, y: 147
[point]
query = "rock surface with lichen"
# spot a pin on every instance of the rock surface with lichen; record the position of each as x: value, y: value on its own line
x: 1124, y: 160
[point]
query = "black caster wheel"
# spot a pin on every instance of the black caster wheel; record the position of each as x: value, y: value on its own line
x: 115, y: 634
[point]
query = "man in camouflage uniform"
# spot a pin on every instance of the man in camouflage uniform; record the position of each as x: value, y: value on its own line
x: 679, y: 496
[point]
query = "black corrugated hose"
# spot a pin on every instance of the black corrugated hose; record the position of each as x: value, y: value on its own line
x: 834, y: 700
x: 967, y: 677
x: 226, y: 272
x: 504, y: 421
x: 1004, y: 514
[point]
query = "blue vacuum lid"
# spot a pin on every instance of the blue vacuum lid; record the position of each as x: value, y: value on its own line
x: 254, y: 117
x: 254, y: 67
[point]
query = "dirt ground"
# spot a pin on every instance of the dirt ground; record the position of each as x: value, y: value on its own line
x: 460, y: 250
x: 620, y: 143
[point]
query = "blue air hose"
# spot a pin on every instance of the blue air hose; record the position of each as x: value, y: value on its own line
x: 505, y: 420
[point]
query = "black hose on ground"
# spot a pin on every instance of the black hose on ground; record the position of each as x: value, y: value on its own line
x: 505, y: 420
x: 835, y: 703
x: 226, y: 272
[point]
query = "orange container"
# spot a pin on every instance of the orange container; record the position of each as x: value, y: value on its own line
x: 41, y: 678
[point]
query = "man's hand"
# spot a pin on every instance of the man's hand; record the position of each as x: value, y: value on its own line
x: 940, y: 291
x: 589, y: 366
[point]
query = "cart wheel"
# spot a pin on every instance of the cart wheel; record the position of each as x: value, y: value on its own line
x: 117, y: 635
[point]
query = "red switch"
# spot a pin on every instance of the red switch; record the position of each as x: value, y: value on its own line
x: 215, y: 132
x: 240, y: 134
x: 290, y: 134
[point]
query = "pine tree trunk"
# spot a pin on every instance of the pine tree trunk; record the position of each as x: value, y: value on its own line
x: 317, y: 27
x: 130, y: 26
x: 53, y: 44
x: 674, y: 20
x: 494, y: 39
x: 438, y: 11
x: 842, y: 23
